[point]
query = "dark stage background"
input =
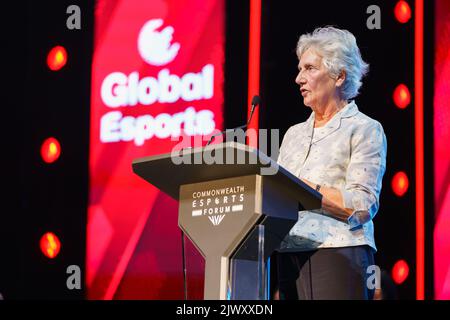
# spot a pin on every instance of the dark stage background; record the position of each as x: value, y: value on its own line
x: 40, y: 103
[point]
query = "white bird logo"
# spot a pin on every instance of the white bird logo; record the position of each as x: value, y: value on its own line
x: 155, y: 46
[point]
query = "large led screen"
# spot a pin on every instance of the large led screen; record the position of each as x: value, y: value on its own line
x: 157, y: 77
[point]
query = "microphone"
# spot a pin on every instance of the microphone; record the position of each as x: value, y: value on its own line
x: 256, y: 100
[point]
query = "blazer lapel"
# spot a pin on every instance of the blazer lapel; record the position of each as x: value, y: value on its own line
x: 307, y: 138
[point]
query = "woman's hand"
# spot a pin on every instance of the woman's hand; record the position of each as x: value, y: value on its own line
x: 332, y: 202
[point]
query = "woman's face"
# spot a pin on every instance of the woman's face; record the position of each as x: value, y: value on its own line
x: 317, y: 86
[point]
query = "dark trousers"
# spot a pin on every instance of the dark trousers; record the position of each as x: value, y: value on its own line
x: 325, y: 274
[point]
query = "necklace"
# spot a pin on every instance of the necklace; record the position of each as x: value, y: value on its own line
x: 326, y: 118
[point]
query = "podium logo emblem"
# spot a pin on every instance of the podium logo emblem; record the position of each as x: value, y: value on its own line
x: 156, y: 47
x: 216, y: 220
x: 216, y: 203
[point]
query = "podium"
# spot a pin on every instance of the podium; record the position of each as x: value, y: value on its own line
x: 236, y: 205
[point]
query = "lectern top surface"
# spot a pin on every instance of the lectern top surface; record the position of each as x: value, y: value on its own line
x: 218, y: 161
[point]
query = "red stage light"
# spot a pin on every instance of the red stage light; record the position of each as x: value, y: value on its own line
x: 400, y: 271
x: 57, y: 58
x: 401, y: 96
x: 402, y: 11
x: 400, y: 183
x: 50, y: 245
x: 50, y: 150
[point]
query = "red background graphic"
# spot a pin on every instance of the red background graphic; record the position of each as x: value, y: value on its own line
x: 133, y: 239
x: 441, y: 148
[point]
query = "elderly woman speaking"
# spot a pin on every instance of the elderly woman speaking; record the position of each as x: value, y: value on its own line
x: 341, y: 153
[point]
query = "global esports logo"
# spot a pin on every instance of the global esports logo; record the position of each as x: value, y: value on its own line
x: 155, y: 46
x: 119, y: 90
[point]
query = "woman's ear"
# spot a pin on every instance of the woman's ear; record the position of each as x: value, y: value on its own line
x: 341, y: 78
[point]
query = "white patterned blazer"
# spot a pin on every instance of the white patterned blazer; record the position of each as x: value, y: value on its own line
x: 349, y: 154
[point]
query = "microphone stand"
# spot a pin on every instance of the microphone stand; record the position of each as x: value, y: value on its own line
x: 255, y: 101
x: 240, y: 127
x: 184, y: 266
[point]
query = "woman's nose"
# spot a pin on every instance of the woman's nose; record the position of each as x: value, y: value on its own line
x: 300, y: 79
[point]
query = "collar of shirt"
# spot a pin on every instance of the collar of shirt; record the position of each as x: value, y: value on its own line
x: 335, y: 122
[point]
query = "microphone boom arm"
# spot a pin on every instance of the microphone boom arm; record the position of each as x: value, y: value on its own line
x: 255, y: 101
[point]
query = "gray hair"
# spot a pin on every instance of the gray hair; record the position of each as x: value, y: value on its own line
x: 339, y: 51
